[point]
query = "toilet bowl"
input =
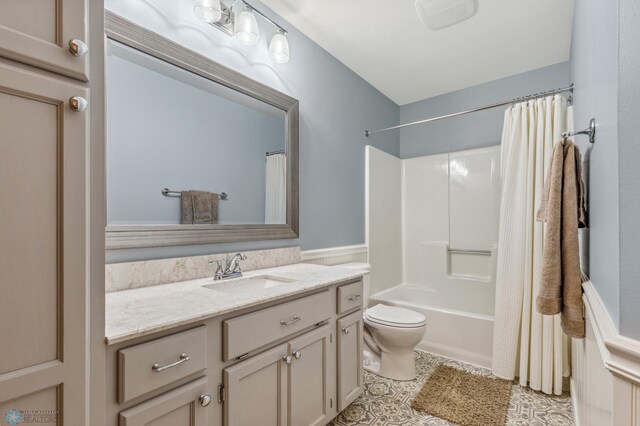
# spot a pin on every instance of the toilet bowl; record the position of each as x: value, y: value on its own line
x: 390, y: 335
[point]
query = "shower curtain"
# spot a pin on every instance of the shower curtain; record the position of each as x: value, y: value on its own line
x: 275, y: 207
x: 527, y: 344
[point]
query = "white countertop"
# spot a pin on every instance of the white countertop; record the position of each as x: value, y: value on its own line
x: 141, y: 311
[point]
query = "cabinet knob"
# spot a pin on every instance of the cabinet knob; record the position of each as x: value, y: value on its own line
x: 346, y: 330
x: 77, y: 47
x: 205, y: 400
x: 287, y: 359
x: 78, y: 104
x: 297, y: 354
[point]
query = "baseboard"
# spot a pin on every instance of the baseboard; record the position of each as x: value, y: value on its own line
x: 336, y: 255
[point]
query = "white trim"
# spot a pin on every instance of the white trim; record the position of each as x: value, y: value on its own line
x: 621, y: 355
x: 336, y: 255
x: 625, y: 358
x: 603, y: 327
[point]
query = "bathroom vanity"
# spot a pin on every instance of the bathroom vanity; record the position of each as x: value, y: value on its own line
x: 279, y: 346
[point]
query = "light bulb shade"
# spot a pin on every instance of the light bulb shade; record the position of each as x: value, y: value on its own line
x: 279, y: 49
x: 246, y: 28
x: 208, y: 10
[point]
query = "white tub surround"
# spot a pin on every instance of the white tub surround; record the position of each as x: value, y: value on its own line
x: 451, y: 200
x: 130, y: 275
x: 138, y: 312
x: 432, y: 237
x: 383, y: 209
x: 605, y: 381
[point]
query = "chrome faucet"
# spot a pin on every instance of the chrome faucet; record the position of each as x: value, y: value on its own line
x: 231, y: 269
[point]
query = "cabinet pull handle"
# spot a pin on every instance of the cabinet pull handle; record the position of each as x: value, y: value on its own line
x: 297, y: 354
x: 78, y: 104
x: 291, y: 321
x: 346, y: 330
x: 205, y: 400
x: 287, y: 359
x: 183, y: 358
x: 78, y: 47
x: 354, y: 297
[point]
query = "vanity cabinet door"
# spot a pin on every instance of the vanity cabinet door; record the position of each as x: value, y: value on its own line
x: 349, y: 359
x: 38, y: 32
x: 309, y: 378
x: 185, y: 406
x: 256, y: 390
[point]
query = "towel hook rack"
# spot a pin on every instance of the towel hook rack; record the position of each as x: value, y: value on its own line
x: 591, y: 131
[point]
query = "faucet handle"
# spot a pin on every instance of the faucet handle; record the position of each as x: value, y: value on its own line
x: 219, y: 270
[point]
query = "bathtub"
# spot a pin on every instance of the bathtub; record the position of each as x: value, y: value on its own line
x: 459, y: 328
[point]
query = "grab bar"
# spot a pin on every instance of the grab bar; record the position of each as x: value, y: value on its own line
x: 466, y: 251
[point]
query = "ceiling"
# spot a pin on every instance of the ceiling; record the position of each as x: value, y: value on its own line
x: 391, y: 49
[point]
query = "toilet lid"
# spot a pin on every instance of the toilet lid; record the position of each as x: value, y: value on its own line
x: 394, y: 316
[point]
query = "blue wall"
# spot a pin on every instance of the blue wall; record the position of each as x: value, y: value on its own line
x: 477, y: 130
x: 594, y: 70
x: 336, y: 106
x: 629, y: 165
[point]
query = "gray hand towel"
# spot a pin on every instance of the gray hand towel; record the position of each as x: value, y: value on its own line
x: 562, y: 208
x: 199, y: 207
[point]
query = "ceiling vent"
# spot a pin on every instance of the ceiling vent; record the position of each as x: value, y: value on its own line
x: 438, y: 14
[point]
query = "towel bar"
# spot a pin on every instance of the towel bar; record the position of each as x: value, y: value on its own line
x: 467, y: 251
x: 169, y: 193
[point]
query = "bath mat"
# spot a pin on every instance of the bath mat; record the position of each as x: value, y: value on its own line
x: 464, y: 398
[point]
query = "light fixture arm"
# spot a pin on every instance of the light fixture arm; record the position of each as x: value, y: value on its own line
x: 265, y: 17
x: 225, y: 24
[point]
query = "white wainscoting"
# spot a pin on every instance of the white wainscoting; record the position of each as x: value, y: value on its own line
x: 335, y: 255
x: 605, y: 384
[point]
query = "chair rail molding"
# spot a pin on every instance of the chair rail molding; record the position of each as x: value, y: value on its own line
x: 614, y: 364
x: 336, y: 255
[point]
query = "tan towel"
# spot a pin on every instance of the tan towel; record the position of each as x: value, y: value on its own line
x: 199, y: 207
x: 562, y: 208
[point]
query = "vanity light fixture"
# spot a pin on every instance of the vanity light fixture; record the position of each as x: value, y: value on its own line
x: 279, y: 48
x: 246, y: 28
x: 243, y: 26
x: 208, y: 10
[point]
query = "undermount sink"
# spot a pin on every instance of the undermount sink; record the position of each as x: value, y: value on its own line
x: 249, y: 283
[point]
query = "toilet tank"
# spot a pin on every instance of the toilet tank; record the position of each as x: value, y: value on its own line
x: 366, y: 280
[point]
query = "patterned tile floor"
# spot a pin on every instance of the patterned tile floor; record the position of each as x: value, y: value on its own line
x: 387, y: 402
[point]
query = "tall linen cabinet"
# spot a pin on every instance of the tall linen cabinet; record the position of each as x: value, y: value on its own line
x: 52, y: 210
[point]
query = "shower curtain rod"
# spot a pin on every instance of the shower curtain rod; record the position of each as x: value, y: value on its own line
x: 569, y: 88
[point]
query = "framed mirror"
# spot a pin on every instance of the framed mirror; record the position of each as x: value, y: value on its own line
x: 196, y: 152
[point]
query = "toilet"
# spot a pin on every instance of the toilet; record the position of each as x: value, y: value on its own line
x: 390, y: 335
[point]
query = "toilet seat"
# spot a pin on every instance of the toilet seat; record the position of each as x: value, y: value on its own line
x: 393, y: 316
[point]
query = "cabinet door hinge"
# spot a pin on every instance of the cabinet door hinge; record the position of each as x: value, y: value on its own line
x: 222, y: 393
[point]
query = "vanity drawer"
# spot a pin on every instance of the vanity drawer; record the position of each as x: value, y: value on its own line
x: 350, y: 296
x: 251, y: 331
x: 148, y: 366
